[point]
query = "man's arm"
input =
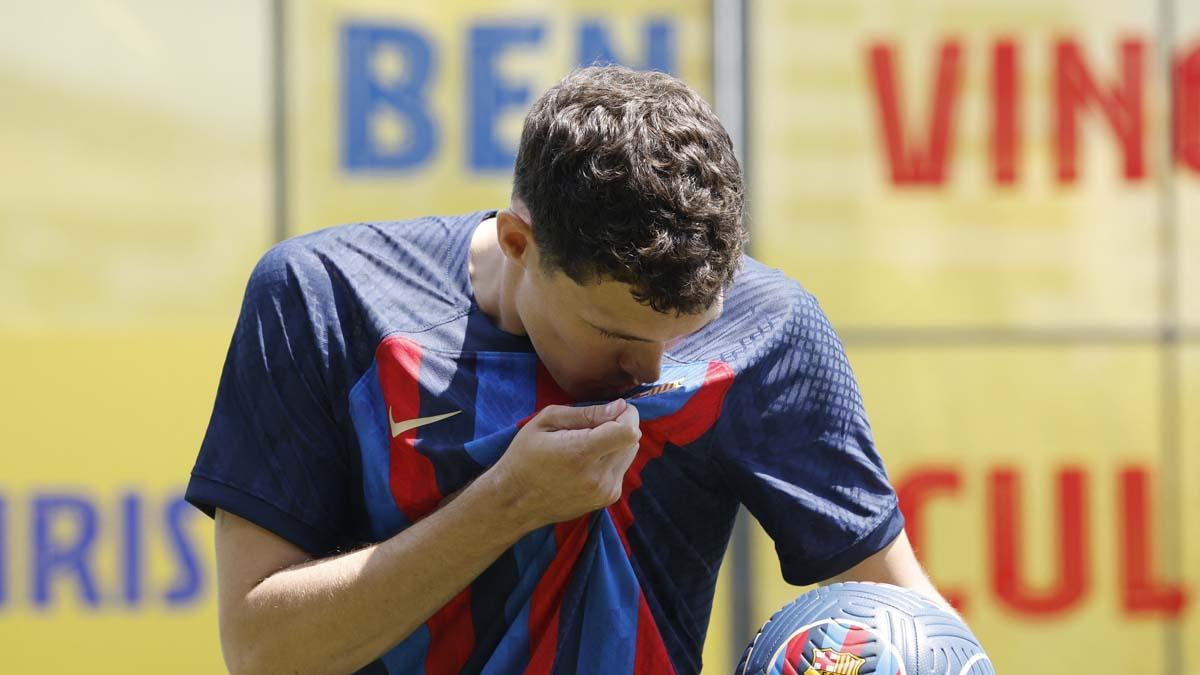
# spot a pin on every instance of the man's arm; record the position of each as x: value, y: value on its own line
x: 894, y: 564
x: 281, y: 612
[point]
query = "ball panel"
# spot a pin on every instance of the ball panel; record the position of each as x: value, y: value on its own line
x: 858, y: 628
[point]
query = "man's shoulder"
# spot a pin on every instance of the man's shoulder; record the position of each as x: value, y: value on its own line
x: 395, y: 275
x: 421, y: 241
x: 768, y: 289
x: 764, y: 310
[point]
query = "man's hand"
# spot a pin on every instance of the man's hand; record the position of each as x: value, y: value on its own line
x: 568, y: 461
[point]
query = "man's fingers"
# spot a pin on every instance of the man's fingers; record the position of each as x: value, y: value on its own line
x: 623, y: 459
x: 586, y: 417
x: 630, y: 416
x: 621, y: 437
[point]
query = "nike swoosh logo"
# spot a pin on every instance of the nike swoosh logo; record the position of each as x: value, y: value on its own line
x: 408, y: 425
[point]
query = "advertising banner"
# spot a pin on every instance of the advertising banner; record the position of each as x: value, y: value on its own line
x: 982, y: 198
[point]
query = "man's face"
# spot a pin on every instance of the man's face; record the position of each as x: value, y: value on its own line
x: 596, y: 340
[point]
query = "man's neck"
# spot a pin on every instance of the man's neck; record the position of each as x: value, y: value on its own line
x: 493, y: 279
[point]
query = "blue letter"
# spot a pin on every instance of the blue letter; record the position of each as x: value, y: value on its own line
x: 188, y: 585
x: 131, y: 515
x: 596, y: 47
x: 488, y: 96
x: 50, y: 557
x: 385, y: 122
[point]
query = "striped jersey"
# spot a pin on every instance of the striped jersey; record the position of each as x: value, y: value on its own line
x: 363, y: 386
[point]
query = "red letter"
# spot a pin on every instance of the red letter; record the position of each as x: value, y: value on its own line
x: 1007, y: 541
x: 1121, y: 105
x: 1005, y: 97
x: 1187, y: 110
x: 914, y: 164
x: 916, y: 489
x: 1141, y: 593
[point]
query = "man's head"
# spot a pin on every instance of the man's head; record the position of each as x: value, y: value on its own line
x: 629, y: 189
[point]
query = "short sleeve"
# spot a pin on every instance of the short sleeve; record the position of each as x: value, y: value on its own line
x: 798, y: 452
x: 273, y: 452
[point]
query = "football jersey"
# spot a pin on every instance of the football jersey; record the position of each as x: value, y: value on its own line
x: 363, y: 385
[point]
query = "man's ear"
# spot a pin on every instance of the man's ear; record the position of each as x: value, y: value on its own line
x: 515, y: 236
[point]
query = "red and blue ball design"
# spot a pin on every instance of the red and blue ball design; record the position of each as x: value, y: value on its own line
x: 860, y: 628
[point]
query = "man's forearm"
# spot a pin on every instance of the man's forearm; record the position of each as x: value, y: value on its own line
x: 336, y: 615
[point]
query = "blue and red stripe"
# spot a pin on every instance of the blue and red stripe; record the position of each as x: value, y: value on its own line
x: 568, y: 594
x: 412, y: 478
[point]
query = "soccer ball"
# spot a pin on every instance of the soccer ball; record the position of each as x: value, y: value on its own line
x: 863, y: 628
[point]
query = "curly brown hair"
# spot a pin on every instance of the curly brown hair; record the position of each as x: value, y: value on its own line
x: 629, y: 176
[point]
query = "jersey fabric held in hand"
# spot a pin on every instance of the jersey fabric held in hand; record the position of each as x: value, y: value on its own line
x: 363, y: 386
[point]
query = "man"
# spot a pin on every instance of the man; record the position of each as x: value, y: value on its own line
x: 515, y: 441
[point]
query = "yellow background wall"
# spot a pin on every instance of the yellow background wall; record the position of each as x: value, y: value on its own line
x: 997, y: 330
x: 1027, y: 328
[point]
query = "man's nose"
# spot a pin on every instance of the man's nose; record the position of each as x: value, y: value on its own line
x: 644, y: 363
